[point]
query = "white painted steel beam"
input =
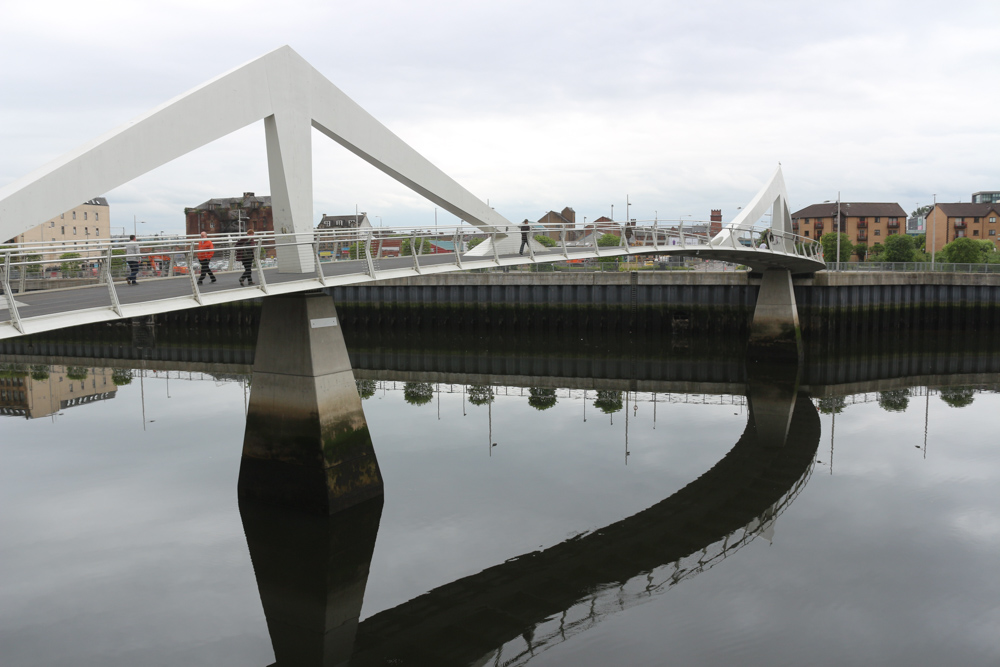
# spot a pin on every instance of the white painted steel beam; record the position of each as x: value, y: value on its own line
x: 291, y: 97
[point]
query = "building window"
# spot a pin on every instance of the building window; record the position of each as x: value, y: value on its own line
x: 890, y: 220
x: 975, y: 232
x: 806, y: 232
x: 97, y: 231
x: 958, y: 220
x: 993, y: 232
x: 74, y: 231
x: 52, y: 224
x: 62, y: 230
x: 84, y: 215
x: 993, y: 218
x: 62, y: 216
x: 878, y: 232
x: 891, y: 232
x: 97, y: 215
x: 979, y: 220
x: 863, y: 219
x: 877, y: 219
x: 74, y: 215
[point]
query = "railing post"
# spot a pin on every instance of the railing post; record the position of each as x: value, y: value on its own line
x: 320, y: 276
x: 115, y: 305
x: 493, y: 246
x: 458, y: 245
x: 15, y: 317
x: 562, y: 238
x: 413, y: 251
x: 368, y: 255
x: 680, y: 231
x: 656, y: 235
x: 531, y: 251
x: 260, y: 269
x: 194, y: 282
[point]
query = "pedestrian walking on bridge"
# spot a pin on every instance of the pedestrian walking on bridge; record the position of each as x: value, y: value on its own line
x: 132, y: 256
x: 206, y: 251
x: 245, y: 248
x: 525, y: 229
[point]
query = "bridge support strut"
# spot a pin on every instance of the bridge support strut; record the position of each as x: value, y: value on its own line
x: 306, y: 444
x: 774, y: 332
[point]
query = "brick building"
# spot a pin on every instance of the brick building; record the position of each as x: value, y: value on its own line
x: 863, y: 222
x: 230, y: 215
x: 947, y: 222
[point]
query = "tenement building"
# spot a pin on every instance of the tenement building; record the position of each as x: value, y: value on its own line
x: 230, y: 215
x: 72, y: 230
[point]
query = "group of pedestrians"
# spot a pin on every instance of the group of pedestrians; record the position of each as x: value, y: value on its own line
x: 206, y: 251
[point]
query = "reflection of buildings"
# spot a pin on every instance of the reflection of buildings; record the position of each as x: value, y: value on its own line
x: 32, y: 396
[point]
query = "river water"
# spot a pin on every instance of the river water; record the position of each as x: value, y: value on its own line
x: 583, y: 518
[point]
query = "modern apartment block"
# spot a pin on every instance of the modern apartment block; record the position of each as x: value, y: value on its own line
x: 947, y: 222
x: 863, y: 222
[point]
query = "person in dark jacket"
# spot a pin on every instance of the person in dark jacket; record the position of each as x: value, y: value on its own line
x: 525, y: 229
x: 244, y: 253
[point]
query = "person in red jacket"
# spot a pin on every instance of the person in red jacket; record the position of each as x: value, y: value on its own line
x: 206, y: 250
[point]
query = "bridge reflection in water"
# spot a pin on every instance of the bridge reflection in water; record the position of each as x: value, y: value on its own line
x: 312, y: 568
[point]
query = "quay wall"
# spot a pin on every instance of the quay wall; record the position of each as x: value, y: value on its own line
x: 692, y: 301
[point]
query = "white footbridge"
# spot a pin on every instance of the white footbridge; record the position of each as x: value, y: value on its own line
x: 292, y: 98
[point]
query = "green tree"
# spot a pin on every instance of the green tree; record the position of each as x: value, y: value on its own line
x: 861, y: 250
x: 480, y: 394
x: 609, y: 401
x: 958, y: 397
x: 14, y: 370
x: 39, y: 372
x: 366, y: 388
x: 608, y: 241
x: 69, y: 266
x: 117, y: 259
x: 968, y: 251
x: 899, y: 248
x: 895, y: 400
x: 875, y: 252
x: 121, y: 376
x: 829, y: 242
x: 418, y: 393
x: 832, y: 406
x: 473, y: 243
x: 546, y: 241
x: 920, y: 241
x: 541, y: 399
x: 405, y: 248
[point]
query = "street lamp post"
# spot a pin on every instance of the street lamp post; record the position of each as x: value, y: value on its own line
x: 934, y: 231
x: 838, y: 230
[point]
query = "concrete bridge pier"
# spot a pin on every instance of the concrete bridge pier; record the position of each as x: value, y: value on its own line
x: 774, y: 330
x: 306, y: 444
x: 311, y: 573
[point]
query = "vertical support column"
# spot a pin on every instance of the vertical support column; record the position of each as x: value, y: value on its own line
x: 306, y: 444
x: 774, y: 332
x: 289, y: 164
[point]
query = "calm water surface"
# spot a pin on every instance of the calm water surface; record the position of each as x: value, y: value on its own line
x: 122, y: 543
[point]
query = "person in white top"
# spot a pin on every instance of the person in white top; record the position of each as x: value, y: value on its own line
x: 132, y: 253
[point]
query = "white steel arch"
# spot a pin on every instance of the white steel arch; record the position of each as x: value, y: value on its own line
x: 291, y: 97
x: 772, y: 196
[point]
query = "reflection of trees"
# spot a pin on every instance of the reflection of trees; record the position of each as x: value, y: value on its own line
x: 830, y: 406
x: 366, y: 388
x: 958, y: 397
x: 13, y: 370
x: 541, y: 399
x: 39, y: 372
x: 76, y: 373
x: 895, y: 400
x: 608, y: 401
x: 480, y: 394
x: 418, y: 393
x: 121, y: 376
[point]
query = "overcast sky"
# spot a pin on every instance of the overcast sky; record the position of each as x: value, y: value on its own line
x: 682, y: 107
